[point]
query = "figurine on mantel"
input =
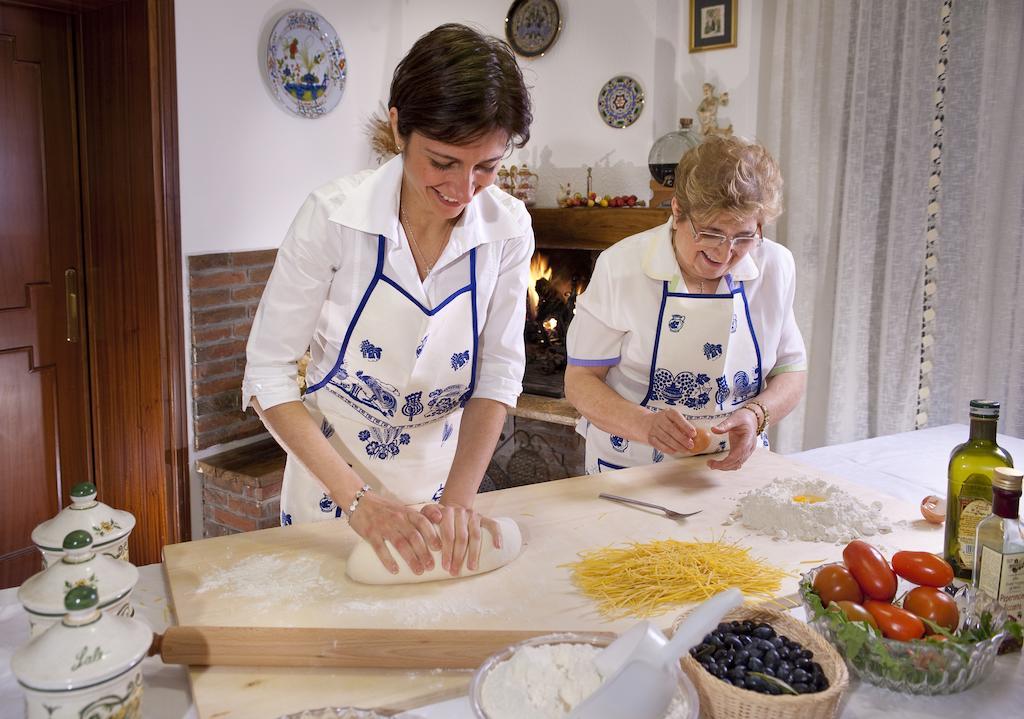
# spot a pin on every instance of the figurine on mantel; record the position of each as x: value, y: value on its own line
x: 707, y: 112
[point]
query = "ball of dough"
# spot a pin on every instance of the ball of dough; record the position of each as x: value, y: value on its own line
x: 363, y: 565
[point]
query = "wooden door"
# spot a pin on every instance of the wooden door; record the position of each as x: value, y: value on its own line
x: 44, y: 404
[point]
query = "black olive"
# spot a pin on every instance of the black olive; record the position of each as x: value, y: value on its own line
x: 723, y: 627
x: 737, y: 672
x: 806, y: 653
x: 734, y: 642
x: 805, y: 664
x: 777, y: 642
x: 773, y: 689
x: 771, y: 658
x: 801, y: 688
x: 784, y: 674
x: 720, y: 654
x: 763, y: 631
x: 769, y: 671
x: 742, y: 656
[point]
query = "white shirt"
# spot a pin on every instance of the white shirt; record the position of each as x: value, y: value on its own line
x: 616, y: 318
x: 327, y: 261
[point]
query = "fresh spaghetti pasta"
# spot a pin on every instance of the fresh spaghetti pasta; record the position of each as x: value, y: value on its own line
x: 646, y: 579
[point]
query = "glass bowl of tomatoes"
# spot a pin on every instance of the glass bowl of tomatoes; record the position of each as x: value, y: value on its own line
x: 963, y: 630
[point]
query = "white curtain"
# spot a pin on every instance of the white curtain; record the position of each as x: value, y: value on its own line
x: 904, y: 168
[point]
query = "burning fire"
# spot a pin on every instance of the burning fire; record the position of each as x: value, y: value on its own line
x: 539, y: 270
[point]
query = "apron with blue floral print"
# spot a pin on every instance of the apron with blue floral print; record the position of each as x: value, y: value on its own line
x: 392, y: 405
x: 705, y: 364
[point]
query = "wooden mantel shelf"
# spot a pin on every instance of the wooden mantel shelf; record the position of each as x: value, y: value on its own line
x: 545, y: 409
x: 591, y: 228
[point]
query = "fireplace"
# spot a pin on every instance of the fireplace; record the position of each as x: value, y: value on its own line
x: 557, y: 277
x: 568, y: 243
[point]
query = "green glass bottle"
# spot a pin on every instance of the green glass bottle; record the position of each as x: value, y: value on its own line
x: 969, y: 492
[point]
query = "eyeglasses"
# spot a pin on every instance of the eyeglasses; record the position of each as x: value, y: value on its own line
x: 716, y: 240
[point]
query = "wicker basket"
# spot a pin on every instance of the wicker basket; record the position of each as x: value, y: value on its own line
x: 720, y: 700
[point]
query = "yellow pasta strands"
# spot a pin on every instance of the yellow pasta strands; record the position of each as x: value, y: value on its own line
x: 642, y: 580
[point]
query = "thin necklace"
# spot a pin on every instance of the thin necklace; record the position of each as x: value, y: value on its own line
x: 427, y: 266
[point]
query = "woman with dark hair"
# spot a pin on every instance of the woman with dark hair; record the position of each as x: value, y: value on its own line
x: 407, y: 284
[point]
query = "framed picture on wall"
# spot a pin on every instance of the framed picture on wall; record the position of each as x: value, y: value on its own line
x: 712, y: 24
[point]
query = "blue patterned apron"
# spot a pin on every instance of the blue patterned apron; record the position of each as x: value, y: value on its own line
x: 392, y: 404
x: 705, y: 364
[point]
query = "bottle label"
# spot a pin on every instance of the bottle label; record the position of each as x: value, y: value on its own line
x: 972, y: 511
x: 1001, y: 576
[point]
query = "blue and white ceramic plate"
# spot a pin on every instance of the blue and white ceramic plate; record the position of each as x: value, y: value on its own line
x: 532, y: 26
x: 620, y: 101
x: 306, y: 65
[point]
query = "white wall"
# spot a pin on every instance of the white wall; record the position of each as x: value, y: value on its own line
x: 246, y: 163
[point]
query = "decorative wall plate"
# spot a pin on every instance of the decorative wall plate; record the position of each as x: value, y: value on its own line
x: 620, y: 101
x: 532, y: 26
x: 306, y: 65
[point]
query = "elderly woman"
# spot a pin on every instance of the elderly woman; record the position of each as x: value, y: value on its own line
x: 689, y: 327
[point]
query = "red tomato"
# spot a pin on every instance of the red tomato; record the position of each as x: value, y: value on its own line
x: 934, y: 605
x: 856, y: 613
x: 834, y: 583
x: 895, y: 623
x: 869, y: 568
x: 922, y: 568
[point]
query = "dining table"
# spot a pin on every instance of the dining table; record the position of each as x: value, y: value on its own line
x: 898, y: 470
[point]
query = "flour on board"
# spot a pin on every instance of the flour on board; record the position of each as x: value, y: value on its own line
x: 808, y: 509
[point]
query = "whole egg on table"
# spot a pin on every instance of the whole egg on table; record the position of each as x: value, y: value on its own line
x: 295, y: 577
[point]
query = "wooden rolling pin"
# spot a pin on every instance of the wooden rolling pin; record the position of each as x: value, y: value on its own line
x: 332, y: 647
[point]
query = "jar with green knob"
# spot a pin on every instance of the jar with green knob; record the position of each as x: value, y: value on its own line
x: 110, y: 528
x: 42, y: 595
x: 87, y: 665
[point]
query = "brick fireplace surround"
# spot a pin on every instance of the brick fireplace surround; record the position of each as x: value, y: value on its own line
x: 241, y: 487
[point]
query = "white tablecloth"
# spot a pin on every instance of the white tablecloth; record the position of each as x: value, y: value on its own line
x: 909, y: 466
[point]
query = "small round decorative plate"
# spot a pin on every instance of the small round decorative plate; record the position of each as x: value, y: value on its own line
x: 620, y: 101
x: 306, y: 65
x: 532, y: 26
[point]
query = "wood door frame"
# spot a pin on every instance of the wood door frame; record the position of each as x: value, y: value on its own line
x: 148, y: 476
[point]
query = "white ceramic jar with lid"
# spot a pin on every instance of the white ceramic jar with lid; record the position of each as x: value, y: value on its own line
x: 109, y: 527
x: 43, y: 594
x: 87, y: 665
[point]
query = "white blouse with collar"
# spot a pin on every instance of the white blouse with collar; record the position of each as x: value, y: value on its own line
x: 329, y: 256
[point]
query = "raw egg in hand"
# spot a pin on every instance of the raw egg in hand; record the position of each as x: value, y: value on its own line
x: 701, y: 441
x: 933, y: 509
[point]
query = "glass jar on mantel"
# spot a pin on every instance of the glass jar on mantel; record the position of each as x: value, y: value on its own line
x: 524, y: 184
x: 665, y: 155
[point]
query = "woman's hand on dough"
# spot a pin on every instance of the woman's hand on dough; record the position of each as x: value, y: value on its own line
x: 668, y: 431
x: 461, y: 539
x: 377, y: 520
x: 742, y: 430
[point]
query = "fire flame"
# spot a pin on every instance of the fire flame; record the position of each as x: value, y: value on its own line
x: 539, y: 270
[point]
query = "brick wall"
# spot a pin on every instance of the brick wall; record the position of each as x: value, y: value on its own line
x: 224, y: 291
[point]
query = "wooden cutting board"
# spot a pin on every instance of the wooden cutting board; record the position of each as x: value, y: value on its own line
x: 295, y: 577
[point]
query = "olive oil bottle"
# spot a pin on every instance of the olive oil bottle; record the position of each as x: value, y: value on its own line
x: 969, y: 492
x: 999, y: 549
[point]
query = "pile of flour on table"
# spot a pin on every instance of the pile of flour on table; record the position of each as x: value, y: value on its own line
x: 547, y: 682
x: 821, y: 512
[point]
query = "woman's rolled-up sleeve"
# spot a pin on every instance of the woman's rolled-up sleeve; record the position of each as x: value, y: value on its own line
x: 502, y: 350
x: 595, y: 337
x: 288, y: 311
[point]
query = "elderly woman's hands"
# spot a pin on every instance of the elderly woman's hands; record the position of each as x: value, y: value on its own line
x: 742, y: 430
x: 667, y: 431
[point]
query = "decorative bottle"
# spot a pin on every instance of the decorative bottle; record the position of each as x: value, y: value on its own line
x: 669, y: 149
x: 969, y: 492
x: 999, y: 545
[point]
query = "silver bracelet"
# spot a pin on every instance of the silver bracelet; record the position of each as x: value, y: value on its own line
x: 355, y: 500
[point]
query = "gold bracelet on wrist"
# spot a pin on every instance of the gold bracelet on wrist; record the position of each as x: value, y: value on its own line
x: 765, y: 417
x: 757, y: 417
